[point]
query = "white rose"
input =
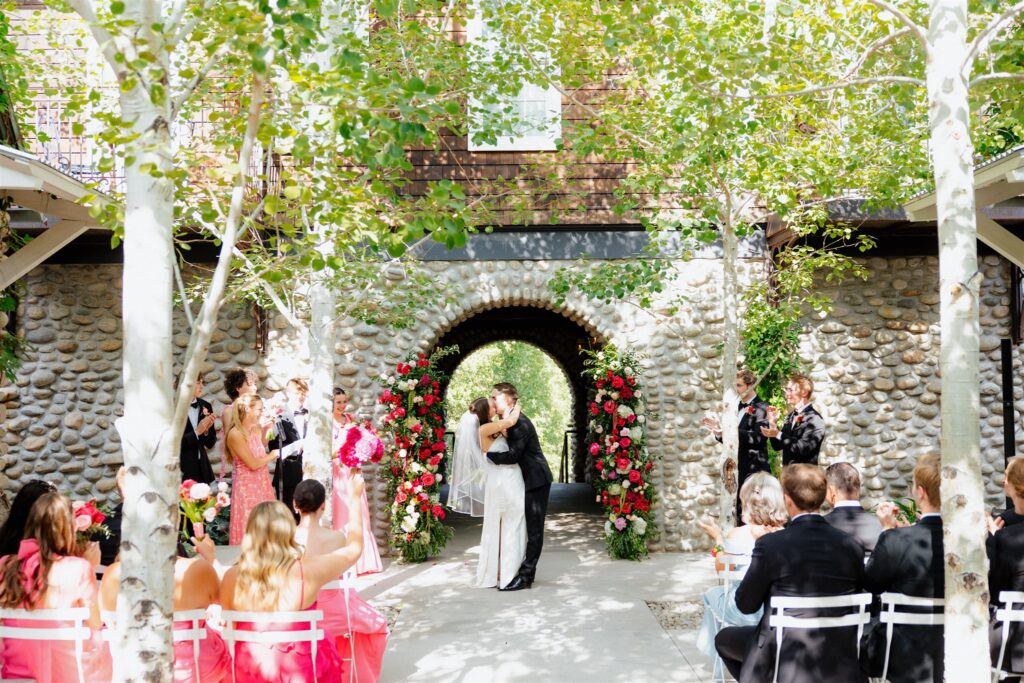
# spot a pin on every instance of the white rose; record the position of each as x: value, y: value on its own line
x: 222, y: 487
x: 641, y: 418
x: 640, y: 526
x: 598, y: 429
x: 417, y: 399
x: 638, y: 394
x: 607, y: 528
x: 402, y: 453
x: 410, y: 509
x: 599, y: 397
x: 409, y: 523
x: 625, y: 431
x: 624, y: 411
x: 438, y: 477
x: 199, y: 491
x: 210, y: 514
x: 614, y: 490
x: 637, y: 433
x: 418, y: 489
x: 626, y: 483
x: 615, y: 395
x: 416, y: 468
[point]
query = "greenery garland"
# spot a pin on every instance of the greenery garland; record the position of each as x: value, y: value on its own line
x: 617, y: 432
x: 414, y: 444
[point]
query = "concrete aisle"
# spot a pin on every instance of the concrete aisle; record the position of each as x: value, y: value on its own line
x: 585, y: 619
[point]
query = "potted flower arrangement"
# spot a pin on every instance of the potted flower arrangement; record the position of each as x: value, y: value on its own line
x: 201, y: 504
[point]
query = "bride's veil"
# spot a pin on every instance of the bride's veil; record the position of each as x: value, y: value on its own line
x: 466, y: 482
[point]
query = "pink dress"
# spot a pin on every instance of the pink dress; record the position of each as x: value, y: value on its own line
x: 360, y: 632
x: 249, y: 488
x: 285, y: 662
x: 71, y: 583
x: 369, y: 562
x: 214, y: 660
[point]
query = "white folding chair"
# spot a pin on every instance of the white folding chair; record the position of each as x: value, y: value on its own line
x: 270, y: 636
x: 891, y: 617
x: 194, y: 633
x: 79, y: 634
x: 735, y: 569
x: 345, y: 584
x: 781, y: 621
x: 1011, y: 612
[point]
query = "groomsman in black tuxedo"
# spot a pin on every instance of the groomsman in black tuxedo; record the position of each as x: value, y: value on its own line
x: 524, y: 450
x: 909, y: 560
x: 752, y: 456
x: 807, y: 558
x: 1006, y: 570
x: 801, y: 434
x: 198, y: 436
x: 289, y: 433
x: 847, y: 513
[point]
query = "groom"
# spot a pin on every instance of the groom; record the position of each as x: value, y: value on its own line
x: 524, y: 450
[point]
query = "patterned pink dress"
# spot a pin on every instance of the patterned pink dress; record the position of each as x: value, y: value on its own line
x: 72, y: 583
x: 214, y: 660
x: 369, y: 562
x: 249, y: 488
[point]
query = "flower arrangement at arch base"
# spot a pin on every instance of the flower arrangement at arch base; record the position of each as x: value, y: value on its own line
x: 617, y: 431
x: 414, y: 445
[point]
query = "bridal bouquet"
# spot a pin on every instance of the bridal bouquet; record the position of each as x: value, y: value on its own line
x: 414, y: 445
x: 359, y: 445
x: 201, y: 504
x: 89, y: 518
x: 622, y: 464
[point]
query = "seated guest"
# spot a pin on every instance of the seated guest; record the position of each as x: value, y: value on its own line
x: 195, y: 587
x: 45, y: 574
x: 360, y: 631
x: 809, y: 558
x: 1006, y: 568
x: 800, y: 437
x: 909, y: 560
x: 764, y: 511
x: 199, y: 435
x: 272, y: 576
x: 13, y: 529
x: 847, y: 513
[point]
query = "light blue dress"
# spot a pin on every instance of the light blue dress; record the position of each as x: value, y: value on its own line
x: 720, y: 607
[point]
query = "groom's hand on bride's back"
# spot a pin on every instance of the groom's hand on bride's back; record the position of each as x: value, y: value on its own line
x: 514, y: 414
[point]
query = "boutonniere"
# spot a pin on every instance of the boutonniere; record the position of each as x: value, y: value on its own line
x: 750, y: 410
x: 798, y: 419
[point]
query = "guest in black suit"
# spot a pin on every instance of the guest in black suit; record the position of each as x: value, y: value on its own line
x: 847, y: 513
x: 524, y: 450
x: 1006, y: 568
x: 803, y: 431
x: 909, y: 560
x: 808, y: 558
x: 752, y: 455
x: 110, y: 545
x: 198, y: 436
x: 289, y: 432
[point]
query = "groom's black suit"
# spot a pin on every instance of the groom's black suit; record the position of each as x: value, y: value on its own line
x: 524, y: 450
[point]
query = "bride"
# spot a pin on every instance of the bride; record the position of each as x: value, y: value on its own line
x: 503, y: 540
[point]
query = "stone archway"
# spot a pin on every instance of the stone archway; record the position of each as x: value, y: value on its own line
x: 560, y: 337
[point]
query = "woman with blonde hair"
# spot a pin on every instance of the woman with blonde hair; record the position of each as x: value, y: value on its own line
x: 764, y: 511
x: 45, y: 574
x: 272, y: 575
x: 246, y: 450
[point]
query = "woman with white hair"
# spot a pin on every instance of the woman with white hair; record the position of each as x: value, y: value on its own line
x: 764, y: 511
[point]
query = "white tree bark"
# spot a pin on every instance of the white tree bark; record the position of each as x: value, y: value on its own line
x: 966, y: 565
x: 319, y: 450
x: 730, y: 351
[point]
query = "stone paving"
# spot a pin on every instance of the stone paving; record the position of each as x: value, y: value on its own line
x: 587, y: 618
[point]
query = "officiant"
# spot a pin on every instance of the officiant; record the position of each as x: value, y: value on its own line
x: 289, y: 433
x: 198, y: 437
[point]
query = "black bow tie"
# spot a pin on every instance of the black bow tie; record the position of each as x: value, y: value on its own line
x: 303, y: 411
x: 195, y: 403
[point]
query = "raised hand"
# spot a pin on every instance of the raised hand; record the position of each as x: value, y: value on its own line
x: 513, y: 415
x: 712, y: 423
x: 771, y: 431
x: 358, y: 485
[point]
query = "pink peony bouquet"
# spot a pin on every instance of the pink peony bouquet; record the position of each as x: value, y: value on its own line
x: 201, y: 504
x: 89, y: 518
x: 360, y: 445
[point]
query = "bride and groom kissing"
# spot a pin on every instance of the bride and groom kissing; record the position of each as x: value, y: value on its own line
x: 500, y: 473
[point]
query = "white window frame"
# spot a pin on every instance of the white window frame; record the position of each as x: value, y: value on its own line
x: 542, y: 140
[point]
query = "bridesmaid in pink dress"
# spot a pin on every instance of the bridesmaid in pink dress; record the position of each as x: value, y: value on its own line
x: 341, y: 504
x: 196, y: 586
x: 360, y: 631
x: 272, y: 576
x: 45, y: 575
x: 246, y: 450
x: 237, y: 382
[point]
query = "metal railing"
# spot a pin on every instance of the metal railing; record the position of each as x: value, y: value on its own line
x: 563, y: 466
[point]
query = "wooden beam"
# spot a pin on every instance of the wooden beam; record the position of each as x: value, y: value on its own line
x: 48, y: 205
x: 1001, y: 240
x: 18, y: 264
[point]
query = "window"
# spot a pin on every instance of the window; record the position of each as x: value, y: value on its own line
x: 534, y: 113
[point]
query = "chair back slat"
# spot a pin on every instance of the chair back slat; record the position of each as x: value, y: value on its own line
x: 272, y: 636
x: 1011, y: 611
x: 781, y: 621
x: 78, y: 634
x: 892, y: 617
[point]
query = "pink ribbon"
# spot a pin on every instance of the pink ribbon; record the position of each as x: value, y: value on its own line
x: 28, y: 555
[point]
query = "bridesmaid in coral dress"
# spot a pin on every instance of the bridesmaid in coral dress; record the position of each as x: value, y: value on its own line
x: 360, y: 631
x: 341, y: 505
x: 246, y: 450
x: 272, y: 576
x: 196, y: 586
x: 45, y: 575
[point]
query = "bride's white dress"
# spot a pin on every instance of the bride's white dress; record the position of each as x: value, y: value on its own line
x: 503, y: 541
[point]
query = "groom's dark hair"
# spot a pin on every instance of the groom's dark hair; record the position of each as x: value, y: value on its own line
x: 508, y: 389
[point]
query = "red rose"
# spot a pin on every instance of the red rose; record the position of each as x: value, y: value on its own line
x: 599, y: 465
x: 626, y: 508
x: 399, y: 412
x: 634, y: 476
x: 595, y: 448
x: 609, y: 407
x: 622, y: 463
x: 417, y: 428
x: 435, y: 461
x: 429, y: 399
x: 617, y: 382
x: 631, y: 419
x: 400, y: 497
x: 609, y: 374
x: 427, y: 479
x: 437, y: 510
x: 422, y: 363
x: 624, y: 442
x: 632, y: 381
x: 615, y: 509
x: 422, y: 410
x: 626, y: 392
x: 647, y: 467
x: 750, y: 410
x: 600, y: 384
x: 424, y: 507
x: 439, y: 446
x: 403, y: 369
x: 594, y: 410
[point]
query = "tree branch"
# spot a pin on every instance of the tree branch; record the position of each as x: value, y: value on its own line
x: 856, y: 82
x: 104, y: 40
x: 988, y: 34
x: 872, y: 49
x: 185, y: 303
x: 1002, y: 75
x: 178, y: 102
x: 913, y: 26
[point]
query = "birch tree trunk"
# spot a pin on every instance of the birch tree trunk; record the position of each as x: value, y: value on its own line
x: 319, y: 450
x: 966, y: 565
x: 149, y: 531
x: 730, y: 350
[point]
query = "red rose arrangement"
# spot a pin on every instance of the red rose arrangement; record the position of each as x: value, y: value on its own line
x: 617, y: 433
x: 413, y: 439
x: 88, y: 517
x: 360, y: 445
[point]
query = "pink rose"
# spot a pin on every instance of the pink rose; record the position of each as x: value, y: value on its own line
x: 620, y: 523
x: 83, y: 522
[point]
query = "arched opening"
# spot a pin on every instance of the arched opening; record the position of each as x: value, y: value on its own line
x: 561, y: 338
